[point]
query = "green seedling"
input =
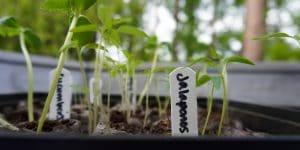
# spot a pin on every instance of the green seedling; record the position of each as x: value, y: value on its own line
x: 216, y: 60
x: 151, y: 72
x: 10, y: 27
x: 75, y: 8
x: 108, y: 35
x: 131, y: 65
x: 152, y: 44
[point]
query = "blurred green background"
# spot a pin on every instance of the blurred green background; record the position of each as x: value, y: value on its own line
x: 191, y: 26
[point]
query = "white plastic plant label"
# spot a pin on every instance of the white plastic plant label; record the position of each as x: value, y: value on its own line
x: 60, y: 107
x: 183, y: 102
x: 91, y: 85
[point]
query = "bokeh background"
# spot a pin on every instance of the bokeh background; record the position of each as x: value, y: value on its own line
x: 191, y: 26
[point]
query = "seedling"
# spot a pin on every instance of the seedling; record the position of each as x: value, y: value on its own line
x: 75, y: 8
x: 108, y: 35
x: 10, y: 27
x: 221, y: 62
x: 152, y: 44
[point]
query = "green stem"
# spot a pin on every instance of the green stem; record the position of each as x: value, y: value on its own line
x: 166, y: 105
x: 210, y: 104
x: 108, y: 102
x: 86, y: 90
x: 147, y: 86
x: 157, y: 89
x: 59, y: 68
x: 5, y: 124
x: 96, y: 89
x: 127, y: 100
x: 30, y: 77
x: 225, y: 99
x: 147, y: 109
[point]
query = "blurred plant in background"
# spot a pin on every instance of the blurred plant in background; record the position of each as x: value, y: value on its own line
x: 192, y: 26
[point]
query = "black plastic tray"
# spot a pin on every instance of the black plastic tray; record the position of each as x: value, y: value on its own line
x: 283, y: 123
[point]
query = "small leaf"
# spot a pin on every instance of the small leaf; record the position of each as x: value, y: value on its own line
x: 9, y: 26
x: 238, y: 59
x: 115, y: 38
x: 217, y: 80
x: 86, y: 36
x: 32, y: 39
x: 105, y: 15
x: 85, y: 28
x: 275, y: 35
x: 73, y: 44
x: 201, y: 60
x: 63, y: 5
x: 110, y: 59
x: 82, y: 5
x: 204, y: 79
x: 131, y: 31
x: 121, y: 21
x: 197, y: 74
x: 214, y: 53
x: 93, y: 46
x: 168, y: 45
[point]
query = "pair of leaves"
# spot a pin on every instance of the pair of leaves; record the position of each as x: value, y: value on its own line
x: 278, y: 35
x: 77, y: 6
x: 205, y: 78
x: 132, y: 62
x: 10, y: 27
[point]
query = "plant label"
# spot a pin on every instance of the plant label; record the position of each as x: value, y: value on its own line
x: 60, y: 107
x: 183, y: 102
x: 91, y: 85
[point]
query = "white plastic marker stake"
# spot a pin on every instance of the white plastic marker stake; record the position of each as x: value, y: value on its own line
x: 91, y: 84
x: 60, y: 107
x: 183, y: 102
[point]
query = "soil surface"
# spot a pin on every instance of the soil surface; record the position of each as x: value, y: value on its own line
x: 155, y: 125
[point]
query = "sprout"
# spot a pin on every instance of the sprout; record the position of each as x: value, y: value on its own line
x: 10, y: 27
x: 215, y: 60
x: 75, y: 8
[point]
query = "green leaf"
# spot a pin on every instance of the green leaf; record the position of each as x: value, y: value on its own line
x: 275, y: 35
x: 217, y: 80
x: 214, y: 53
x: 105, y: 15
x: 110, y: 59
x: 197, y: 74
x: 238, y: 59
x: 86, y: 36
x: 121, y: 21
x: 63, y: 5
x: 131, y: 31
x: 93, y: 46
x: 73, y: 44
x: 168, y: 45
x: 85, y: 28
x: 9, y: 26
x: 115, y: 38
x: 32, y: 39
x: 77, y: 6
x: 204, y: 79
x: 82, y: 5
x: 201, y: 60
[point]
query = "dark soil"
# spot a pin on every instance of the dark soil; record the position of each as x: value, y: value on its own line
x: 156, y: 125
